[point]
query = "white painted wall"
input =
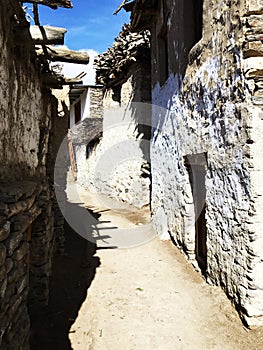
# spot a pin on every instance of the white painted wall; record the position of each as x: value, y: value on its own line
x: 211, y: 110
x: 115, y: 165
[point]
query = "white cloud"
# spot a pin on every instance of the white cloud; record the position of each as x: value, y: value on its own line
x: 71, y: 70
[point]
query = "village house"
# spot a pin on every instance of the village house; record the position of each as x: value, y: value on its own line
x: 85, y: 102
x: 32, y: 128
x: 111, y: 157
x: 206, y: 146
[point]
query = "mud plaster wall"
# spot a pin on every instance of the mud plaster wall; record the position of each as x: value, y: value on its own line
x: 213, y: 106
x: 117, y: 163
x: 22, y: 123
x: 26, y: 209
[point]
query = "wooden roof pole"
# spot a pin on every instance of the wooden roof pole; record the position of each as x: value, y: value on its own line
x: 62, y: 55
x: 41, y: 35
x: 120, y: 7
x: 36, y: 15
x: 54, y: 4
x: 47, y: 35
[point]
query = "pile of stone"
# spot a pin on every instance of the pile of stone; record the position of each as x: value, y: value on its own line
x: 112, y: 65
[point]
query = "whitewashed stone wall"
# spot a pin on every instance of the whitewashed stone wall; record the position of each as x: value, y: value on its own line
x: 214, y: 109
x: 118, y: 165
x: 115, y: 165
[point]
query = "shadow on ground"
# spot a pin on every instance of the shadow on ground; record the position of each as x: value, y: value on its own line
x: 73, y: 273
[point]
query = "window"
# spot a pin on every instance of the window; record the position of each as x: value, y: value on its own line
x: 116, y: 93
x: 77, y: 112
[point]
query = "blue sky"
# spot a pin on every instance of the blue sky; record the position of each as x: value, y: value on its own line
x: 90, y: 24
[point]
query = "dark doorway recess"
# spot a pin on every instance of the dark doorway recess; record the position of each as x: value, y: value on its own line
x: 196, y: 166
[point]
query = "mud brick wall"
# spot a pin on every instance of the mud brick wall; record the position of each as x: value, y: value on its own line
x: 212, y: 108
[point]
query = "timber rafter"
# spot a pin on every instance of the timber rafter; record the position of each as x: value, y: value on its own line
x: 47, y: 35
x: 43, y: 38
x: 54, y: 4
x: 61, y: 54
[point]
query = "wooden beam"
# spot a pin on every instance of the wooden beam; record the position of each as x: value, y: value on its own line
x: 57, y: 81
x: 54, y: 4
x: 61, y: 54
x: 120, y: 7
x: 72, y: 81
x: 36, y: 14
x: 47, y: 35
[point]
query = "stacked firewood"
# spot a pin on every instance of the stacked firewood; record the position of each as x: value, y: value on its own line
x: 129, y: 47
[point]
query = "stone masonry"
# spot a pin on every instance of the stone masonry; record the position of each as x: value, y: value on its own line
x: 206, y: 150
x: 28, y: 114
x: 118, y: 164
x: 96, y: 104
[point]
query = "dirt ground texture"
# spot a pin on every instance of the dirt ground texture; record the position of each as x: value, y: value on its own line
x: 144, y: 297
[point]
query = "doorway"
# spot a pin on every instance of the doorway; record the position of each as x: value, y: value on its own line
x: 196, y: 166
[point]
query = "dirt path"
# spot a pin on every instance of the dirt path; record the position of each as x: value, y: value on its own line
x: 145, y: 298
x: 149, y: 297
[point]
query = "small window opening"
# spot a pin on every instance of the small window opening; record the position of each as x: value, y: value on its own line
x: 92, y: 145
x: 77, y: 112
x: 116, y: 93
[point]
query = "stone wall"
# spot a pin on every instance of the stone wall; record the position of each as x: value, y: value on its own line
x: 207, y: 143
x: 118, y: 163
x: 26, y: 245
x: 91, y: 103
x: 58, y: 131
x: 96, y: 102
x: 28, y: 112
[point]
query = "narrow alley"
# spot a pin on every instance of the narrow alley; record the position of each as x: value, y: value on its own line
x: 145, y: 297
x: 131, y: 166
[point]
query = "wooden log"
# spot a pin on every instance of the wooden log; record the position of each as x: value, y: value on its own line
x: 62, y: 55
x: 120, y: 7
x: 72, y: 81
x: 57, y: 81
x: 54, y: 4
x: 47, y: 35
